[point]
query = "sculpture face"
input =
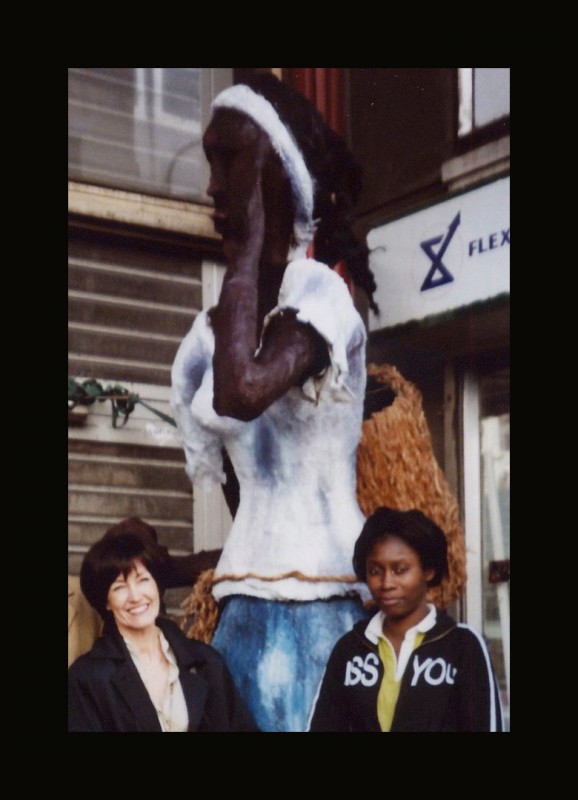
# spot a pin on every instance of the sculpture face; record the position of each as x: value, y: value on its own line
x: 241, y: 159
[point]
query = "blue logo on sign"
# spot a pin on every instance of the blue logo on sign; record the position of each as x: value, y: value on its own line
x: 439, y: 273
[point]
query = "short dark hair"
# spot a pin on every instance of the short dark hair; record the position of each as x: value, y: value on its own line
x: 415, y: 529
x: 115, y: 553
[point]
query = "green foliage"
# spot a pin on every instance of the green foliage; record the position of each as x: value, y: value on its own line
x: 122, y: 401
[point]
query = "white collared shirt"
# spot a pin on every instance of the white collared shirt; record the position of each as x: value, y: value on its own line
x: 374, y: 632
x: 173, y: 715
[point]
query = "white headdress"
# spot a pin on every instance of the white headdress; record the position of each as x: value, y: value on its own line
x: 243, y: 99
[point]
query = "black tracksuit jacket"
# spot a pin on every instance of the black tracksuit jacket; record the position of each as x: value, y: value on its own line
x: 448, y: 685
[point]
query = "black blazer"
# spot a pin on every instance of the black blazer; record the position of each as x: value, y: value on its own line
x: 106, y: 693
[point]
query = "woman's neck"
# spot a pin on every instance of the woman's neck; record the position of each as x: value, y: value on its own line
x: 395, y: 629
x: 145, y: 642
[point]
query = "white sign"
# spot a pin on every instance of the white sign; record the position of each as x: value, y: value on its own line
x: 443, y: 257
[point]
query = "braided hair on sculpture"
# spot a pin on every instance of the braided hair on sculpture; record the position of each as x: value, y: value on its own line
x: 336, y: 174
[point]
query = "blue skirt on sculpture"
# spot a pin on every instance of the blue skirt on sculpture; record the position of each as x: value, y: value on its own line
x: 277, y: 652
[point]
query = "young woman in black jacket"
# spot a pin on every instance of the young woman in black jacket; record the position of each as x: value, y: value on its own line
x: 412, y: 668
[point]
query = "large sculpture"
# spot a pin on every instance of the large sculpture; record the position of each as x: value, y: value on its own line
x: 273, y: 378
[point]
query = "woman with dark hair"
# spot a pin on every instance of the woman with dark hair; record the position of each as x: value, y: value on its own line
x: 143, y: 674
x: 273, y: 377
x: 411, y: 668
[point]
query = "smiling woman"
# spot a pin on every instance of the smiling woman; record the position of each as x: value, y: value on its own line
x: 134, y: 600
x: 143, y: 674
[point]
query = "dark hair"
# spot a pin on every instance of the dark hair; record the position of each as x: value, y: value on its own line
x: 115, y: 553
x: 415, y: 529
x: 337, y: 178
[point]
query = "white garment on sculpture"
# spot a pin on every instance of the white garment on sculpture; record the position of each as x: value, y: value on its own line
x: 295, y: 463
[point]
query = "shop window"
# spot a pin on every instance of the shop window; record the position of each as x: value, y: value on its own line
x: 484, y: 97
x: 486, y: 425
x: 140, y: 128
